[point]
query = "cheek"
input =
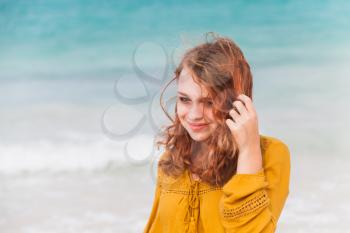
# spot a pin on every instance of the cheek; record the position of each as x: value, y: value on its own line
x: 181, y: 110
x: 213, y: 127
x: 210, y: 116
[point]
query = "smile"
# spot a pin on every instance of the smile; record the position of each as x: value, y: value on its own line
x: 196, y: 127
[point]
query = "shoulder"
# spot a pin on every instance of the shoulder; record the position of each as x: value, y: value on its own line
x: 274, y: 150
x: 164, y: 155
x: 164, y: 179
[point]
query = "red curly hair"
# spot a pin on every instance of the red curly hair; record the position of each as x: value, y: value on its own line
x: 219, y: 66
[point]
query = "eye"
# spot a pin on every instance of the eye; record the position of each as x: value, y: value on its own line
x: 209, y: 103
x: 183, y: 99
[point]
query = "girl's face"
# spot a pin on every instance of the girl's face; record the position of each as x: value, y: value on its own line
x: 194, y: 107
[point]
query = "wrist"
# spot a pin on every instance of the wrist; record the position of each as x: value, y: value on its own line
x: 248, y: 151
x: 249, y: 161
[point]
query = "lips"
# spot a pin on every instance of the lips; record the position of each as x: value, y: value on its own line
x: 197, y: 126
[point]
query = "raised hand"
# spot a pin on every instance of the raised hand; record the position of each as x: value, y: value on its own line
x: 245, y: 130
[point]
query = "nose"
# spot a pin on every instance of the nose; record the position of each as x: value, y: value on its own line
x: 196, y: 112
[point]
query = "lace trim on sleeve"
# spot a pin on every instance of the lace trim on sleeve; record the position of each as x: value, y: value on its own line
x: 255, y: 202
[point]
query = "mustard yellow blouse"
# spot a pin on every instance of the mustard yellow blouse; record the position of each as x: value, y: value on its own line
x: 246, y: 203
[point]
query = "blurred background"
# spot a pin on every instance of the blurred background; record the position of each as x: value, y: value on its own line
x: 79, y: 107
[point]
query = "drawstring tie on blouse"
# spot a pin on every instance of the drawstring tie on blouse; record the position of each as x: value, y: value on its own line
x: 191, y: 217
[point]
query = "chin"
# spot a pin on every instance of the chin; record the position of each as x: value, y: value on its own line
x: 199, y: 137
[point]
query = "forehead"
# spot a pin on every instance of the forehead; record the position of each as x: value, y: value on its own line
x: 188, y: 86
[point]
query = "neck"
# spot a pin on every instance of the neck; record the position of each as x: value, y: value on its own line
x: 198, y: 148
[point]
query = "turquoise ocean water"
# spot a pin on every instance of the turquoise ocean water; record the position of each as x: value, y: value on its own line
x: 53, y: 39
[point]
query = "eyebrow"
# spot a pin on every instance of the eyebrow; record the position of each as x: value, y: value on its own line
x: 203, y: 98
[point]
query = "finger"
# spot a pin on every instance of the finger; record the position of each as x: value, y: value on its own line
x: 247, y: 102
x: 240, y: 108
x: 235, y: 115
x: 232, y: 125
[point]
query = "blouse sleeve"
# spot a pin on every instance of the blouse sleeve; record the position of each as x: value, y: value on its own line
x: 253, y: 202
x: 152, y: 220
x: 154, y: 210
